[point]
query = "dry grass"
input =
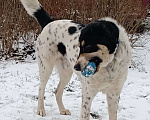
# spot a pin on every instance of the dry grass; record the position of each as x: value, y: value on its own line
x: 15, y: 22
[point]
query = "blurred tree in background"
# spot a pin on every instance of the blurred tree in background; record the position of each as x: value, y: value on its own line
x: 16, y: 24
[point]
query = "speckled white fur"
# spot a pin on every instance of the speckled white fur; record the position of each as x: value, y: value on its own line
x: 48, y: 56
x: 109, y: 79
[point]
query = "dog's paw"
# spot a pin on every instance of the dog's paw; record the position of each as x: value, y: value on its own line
x: 65, y: 112
x: 41, y: 112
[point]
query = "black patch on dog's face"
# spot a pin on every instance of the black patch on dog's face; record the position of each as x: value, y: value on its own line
x: 99, y: 32
x: 61, y: 48
x: 89, y: 48
x: 96, y: 60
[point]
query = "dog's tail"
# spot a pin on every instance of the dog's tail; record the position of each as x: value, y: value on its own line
x: 34, y: 8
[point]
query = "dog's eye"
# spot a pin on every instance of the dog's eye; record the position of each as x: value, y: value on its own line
x: 90, y: 49
x: 87, y: 48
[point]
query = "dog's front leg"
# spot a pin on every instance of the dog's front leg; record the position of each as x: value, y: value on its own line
x: 112, y: 101
x: 87, y: 97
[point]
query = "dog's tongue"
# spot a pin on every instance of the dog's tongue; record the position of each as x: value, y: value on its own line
x: 89, y: 69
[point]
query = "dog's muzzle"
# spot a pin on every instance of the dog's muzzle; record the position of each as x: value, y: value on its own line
x: 95, y: 60
x: 77, y: 67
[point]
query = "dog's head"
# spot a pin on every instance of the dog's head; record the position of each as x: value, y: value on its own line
x: 98, y: 42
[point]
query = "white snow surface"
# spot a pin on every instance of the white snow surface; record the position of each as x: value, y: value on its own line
x: 19, y: 83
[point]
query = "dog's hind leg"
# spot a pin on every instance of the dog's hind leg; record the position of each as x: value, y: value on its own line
x: 65, y: 76
x: 46, y: 63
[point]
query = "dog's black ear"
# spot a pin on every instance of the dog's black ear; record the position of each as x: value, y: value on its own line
x: 112, y: 31
x: 114, y: 34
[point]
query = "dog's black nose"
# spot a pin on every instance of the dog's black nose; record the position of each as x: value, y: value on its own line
x: 77, y: 67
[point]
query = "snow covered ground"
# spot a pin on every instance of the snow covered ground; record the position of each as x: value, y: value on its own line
x: 19, y: 83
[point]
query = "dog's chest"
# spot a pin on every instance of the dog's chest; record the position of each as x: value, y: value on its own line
x: 106, y: 79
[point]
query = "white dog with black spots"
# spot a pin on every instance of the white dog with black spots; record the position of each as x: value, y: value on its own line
x: 70, y: 46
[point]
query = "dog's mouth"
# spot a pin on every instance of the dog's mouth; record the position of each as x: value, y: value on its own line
x: 92, y: 67
x: 97, y: 62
